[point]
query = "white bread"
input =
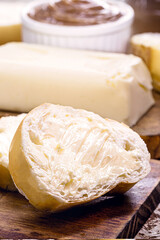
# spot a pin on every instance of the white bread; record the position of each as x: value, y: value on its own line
x: 8, y: 127
x: 61, y: 157
x: 147, y: 46
x: 10, y: 20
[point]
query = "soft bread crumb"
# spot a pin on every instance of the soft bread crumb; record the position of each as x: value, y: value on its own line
x: 64, y: 161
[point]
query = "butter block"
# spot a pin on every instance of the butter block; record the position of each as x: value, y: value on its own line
x: 10, y: 23
x: 8, y: 127
x: 116, y: 86
x: 147, y: 46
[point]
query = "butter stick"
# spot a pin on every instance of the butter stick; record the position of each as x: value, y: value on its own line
x: 115, y: 86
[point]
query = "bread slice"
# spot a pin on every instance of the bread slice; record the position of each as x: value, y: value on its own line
x: 61, y: 157
x: 8, y: 127
x: 147, y: 46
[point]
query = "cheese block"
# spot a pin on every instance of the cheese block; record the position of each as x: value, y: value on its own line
x: 10, y: 23
x: 147, y: 46
x: 8, y: 127
x: 116, y: 86
x: 61, y: 157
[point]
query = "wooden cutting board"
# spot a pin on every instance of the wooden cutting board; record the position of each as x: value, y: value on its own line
x: 121, y: 216
x: 148, y: 127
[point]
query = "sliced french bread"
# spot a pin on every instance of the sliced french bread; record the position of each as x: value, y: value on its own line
x: 61, y: 157
x: 8, y: 127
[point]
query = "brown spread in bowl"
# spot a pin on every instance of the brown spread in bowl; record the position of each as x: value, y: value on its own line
x: 76, y: 12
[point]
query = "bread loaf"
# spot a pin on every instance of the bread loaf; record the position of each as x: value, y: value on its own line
x: 10, y: 22
x: 147, y: 46
x: 61, y: 157
x: 8, y: 127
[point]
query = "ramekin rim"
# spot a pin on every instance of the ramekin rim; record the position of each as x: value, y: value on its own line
x: 76, y: 31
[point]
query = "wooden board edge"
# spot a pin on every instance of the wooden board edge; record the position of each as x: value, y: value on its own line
x: 142, y: 215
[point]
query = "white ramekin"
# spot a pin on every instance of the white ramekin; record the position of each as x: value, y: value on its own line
x: 112, y: 36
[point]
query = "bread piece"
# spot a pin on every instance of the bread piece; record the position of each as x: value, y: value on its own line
x: 10, y: 23
x: 61, y: 157
x: 115, y: 86
x: 147, y: 46
x: 8, y: 127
